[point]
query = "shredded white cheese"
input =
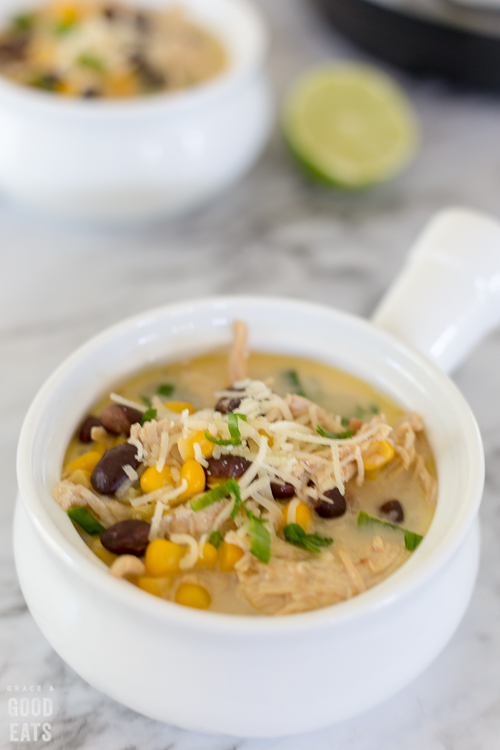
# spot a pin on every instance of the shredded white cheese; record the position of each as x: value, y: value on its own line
x: 190, y: 558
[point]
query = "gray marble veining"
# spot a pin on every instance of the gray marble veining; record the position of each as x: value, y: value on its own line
x: 273, y: 234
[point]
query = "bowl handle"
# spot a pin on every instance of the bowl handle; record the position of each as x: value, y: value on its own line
x: 447, y: 298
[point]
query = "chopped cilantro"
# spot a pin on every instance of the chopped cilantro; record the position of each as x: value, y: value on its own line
x: 412, y: 540
x: 261, y: 539
x: 87, y: 60
x: 295, y: 534
x: 215, y: 539
x: 148, y: 415
x: 294, y: 383
x: 366, y: 411
x: 165, y: 389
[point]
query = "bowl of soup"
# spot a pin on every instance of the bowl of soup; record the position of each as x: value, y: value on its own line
x: 127, y: 111
x: 251, y: 544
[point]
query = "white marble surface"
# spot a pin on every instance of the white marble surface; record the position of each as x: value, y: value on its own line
x: 274, y: 233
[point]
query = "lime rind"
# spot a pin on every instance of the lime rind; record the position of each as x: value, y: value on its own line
x: 350, y: 126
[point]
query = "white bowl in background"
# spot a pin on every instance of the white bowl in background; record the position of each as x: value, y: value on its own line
x: 137, y: 158
x: 263, y: 676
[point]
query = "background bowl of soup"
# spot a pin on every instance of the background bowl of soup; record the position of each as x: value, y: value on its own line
x: 135, y: 158
x: 266, y: 676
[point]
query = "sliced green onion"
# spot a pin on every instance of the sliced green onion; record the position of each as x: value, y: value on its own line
x: 295, y: 534
x: 87, y: 60
x: 46, y: 82
x: 261, y: 540
x: 230, y: 487
x: 334, y: 435
x: 364, y: 411
x: 234, y: 431
x: 148, y: 415
x: 344, y: 421
x: 220, y: 441
x: 86, y: 520
x: 63, y: 27
x: 412, y: 540
x: 165, y: 389
x: 147, y: 401
x: 23, y: 22
x: 232, y: 426
x: 295, y: 384
x: 215, y: 539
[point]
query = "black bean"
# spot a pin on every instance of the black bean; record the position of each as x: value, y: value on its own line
x: 394, y: 510
x: 91, y: 93
x: 282, y: 490
x: 337, y: 507
x: 142, y: 22
x: 108, y: 475
x: 126, y: 538
x: 227, y: 467
x: 110, y: 12
x: 14, y: 49
x: 117, y: 418
x: 86, y: 429
x: 226, y: 404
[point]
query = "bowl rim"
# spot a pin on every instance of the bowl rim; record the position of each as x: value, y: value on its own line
x: 399, y: 586
x: 232, y: 77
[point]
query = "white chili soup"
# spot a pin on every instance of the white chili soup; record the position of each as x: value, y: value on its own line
x: 91, y: 49
x: 294, y: 487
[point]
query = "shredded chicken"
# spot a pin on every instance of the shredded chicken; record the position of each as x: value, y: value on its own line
x: 300, y: 406
x: 239, y: 354
x: 286, y: 586
x: 107, y: 510
x: 184, y: 520
x: 149, y: 435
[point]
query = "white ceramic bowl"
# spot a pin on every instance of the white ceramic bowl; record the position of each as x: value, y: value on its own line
x: 241, y: 675
x: 134, y: 159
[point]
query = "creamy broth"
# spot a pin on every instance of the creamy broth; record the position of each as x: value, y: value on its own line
x: 361, y: 555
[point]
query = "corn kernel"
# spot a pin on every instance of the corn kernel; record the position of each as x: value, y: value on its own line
x: 148, y: 584
x: 229, y: 554
x: 210, y: 557
x: 194, y: 475
x: 152, y: 479
x: 163, y: 558
x: 378, y: 454
x: 186, y: 445
x: 303, y: 515
x: 87, y: 462
x: 66, y: 12
x: 193, y: 595
x: 179, y: 406
x: 68, y: 88
x: 121, y: 84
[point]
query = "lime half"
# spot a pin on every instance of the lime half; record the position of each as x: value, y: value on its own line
x: 350, y: 125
